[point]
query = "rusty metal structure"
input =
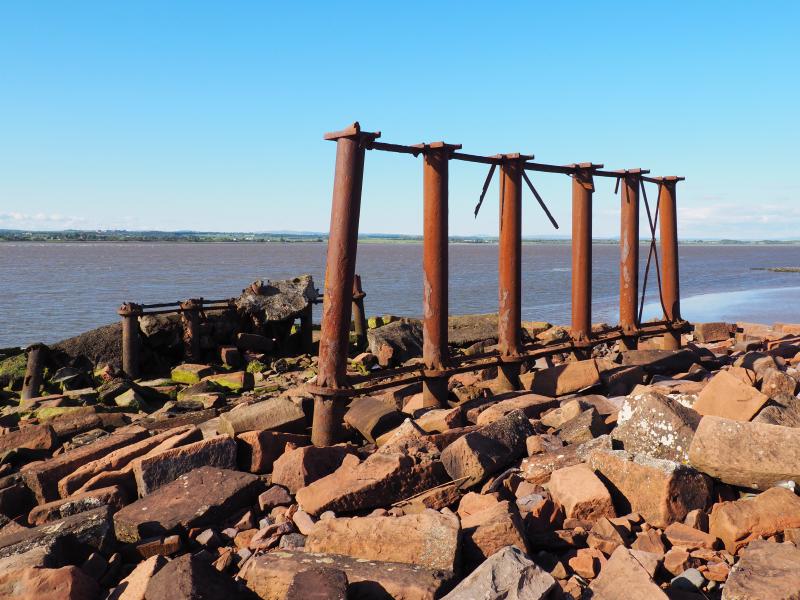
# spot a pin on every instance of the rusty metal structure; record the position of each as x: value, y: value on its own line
x: 34, y: 371
x: 333, y: 386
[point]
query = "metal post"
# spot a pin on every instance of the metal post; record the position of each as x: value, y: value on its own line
x: 670, y: 284
x: 359, y: 318
x: 435, y: 191
x: 307, y: 330
x: 130, y: 313
x: 582, y: 189
x: 191, y: 328
x: 509, y: 318
x: 31, y: 385
x: 629, y: 258
x: 339, y: 274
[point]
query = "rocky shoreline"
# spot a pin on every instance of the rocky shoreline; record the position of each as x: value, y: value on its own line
x: 642, y: 473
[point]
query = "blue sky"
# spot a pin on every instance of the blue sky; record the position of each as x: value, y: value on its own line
x: 200, y: 115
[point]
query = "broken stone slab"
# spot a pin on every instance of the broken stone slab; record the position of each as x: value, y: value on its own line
x: 274, y: 414
x: 532, y: 406
x: 488, y: 529
x: 154, y: 471
x: 623, y: 576
x: 189, y: 578
x: 538, y: 468
x: 765, y: 570
x: 319, y: 582
x: 134, y: 586
x: 481, y: 453
x: 784, y: 411
x: 43, y: 477
x: 198, y: 498
x: 660, y: 361
x: 729, y: 397
x: 656, y: 425
x: 689, y: 538
x: 506, y: 575
x: 271, y: 300
x: 190, y: 373
x: 32, y: 437
x: 661, y: 491
x: 396, y: 342
x: 113, y: 497
x: 429, y: 539
x: 776, y: 383
x: 372, y: 417
x: 90, y: 529
x: 302, y: 466
x: 738, y: 523
x: 579, y: 492
x: 65, y: 583
x: 236, y: 382
x: 564, y: 413
x: 583, y: 428
x: 270, y: 575
x: 258, y: 450
x: 380, y: 480
x: 707, y: 333
x: 566, y: 378
x: 753, y: 455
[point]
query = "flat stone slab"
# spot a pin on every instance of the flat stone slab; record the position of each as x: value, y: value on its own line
x: 198, y: 498
x: 765, y: 570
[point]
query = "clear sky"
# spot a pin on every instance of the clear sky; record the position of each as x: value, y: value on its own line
x: 209, y: 115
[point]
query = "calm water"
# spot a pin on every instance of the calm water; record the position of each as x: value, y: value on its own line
x: 52, y: 291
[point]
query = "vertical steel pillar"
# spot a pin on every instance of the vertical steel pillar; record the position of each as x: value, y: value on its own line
x: 670, y: 280
x: 359, y: 318
x: 339, y: 273
x: 582, y: 189
x: 509, y: 318
x: 629, y: 257
x: 435, y: 193
x: 191, y: 328
x: 34, y: 370
x: 130, y: 313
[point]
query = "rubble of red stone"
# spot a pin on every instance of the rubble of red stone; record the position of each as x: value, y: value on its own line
x: 629, y: 474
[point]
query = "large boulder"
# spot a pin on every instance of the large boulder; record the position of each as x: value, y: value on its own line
x: 276, y: 300
x: 396, y: 342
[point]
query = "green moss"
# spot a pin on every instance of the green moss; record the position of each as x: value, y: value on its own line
x: 256, y: 366
x: 12, y: 370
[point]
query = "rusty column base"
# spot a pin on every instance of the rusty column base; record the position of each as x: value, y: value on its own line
x: 324, y: 427
x: 360, y: 323
x: 508, y: 377
x: 671, y: 340
x: 34, y: 371
x: 434, y: 392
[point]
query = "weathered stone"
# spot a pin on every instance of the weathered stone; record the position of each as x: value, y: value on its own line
x: 154, y: 471
x: 113, y: 496
x: 439, y: 420
x: 276, y: 495
x: 133, y: 586
x: 783, y: 410
x: 660, y: 361
x: 254, y: 342
x: 538, y: 468
x: 587, y: 562
x: 765, y: 570
x: 372, y: 417
x: 189, y: 373
x: 396, y: 342
x: 43, y: 477
x: 531, y: 405
x: 566, y: 378
x: 727, y: 396
x: 275, y: 413
x: 300, y: 467
x: 428, y: 539
x: 754, y: 455
x: 276, y: 299
x: 258, y: 450
x: 32, y: 437
x: 713, y: 332
x: 689, y: 538
x: 90, y: 529
x: 66, y: 583
x: 776, y: 383
x: 198, y: 498
x: 737, y: 523
x: 486, y: 531
x: 481, y: 453
x: 605, y: 536
x: 506, y: 575
x: 583, y: 428
x: 319, y: 582
x: 236, y: 382
x: 580, y: 493
x: 661, y: 491
x: 566, y: 412
x: 656, y: 425
x: 270, y: 575
x: 623, y: 576
x: 189, y: 578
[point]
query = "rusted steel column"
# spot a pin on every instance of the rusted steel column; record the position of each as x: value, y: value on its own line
x: 509, y: 321
x: 339, y: 273
x: 435, y: 193
x: 307, y: 330
x: 359, y: 318
x: 31, y: 385
x: 582, y: 189
x: 670, y: 280
x: 629, y: 257
x: 130, y: 313
x: 191, y: 328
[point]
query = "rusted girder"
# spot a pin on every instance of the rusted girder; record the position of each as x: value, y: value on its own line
x: 670, y: 279
x: 339, y: 274
x: 582, y: 189
x: 509, y: 317
x: 629, y: 256
x: 359, y: 317
x: 130, y: 313
x: 34, y: 370
x: 436, y: 158
x: 190, y: 317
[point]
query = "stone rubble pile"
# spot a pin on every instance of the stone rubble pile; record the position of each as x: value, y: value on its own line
x: 646, y: 473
